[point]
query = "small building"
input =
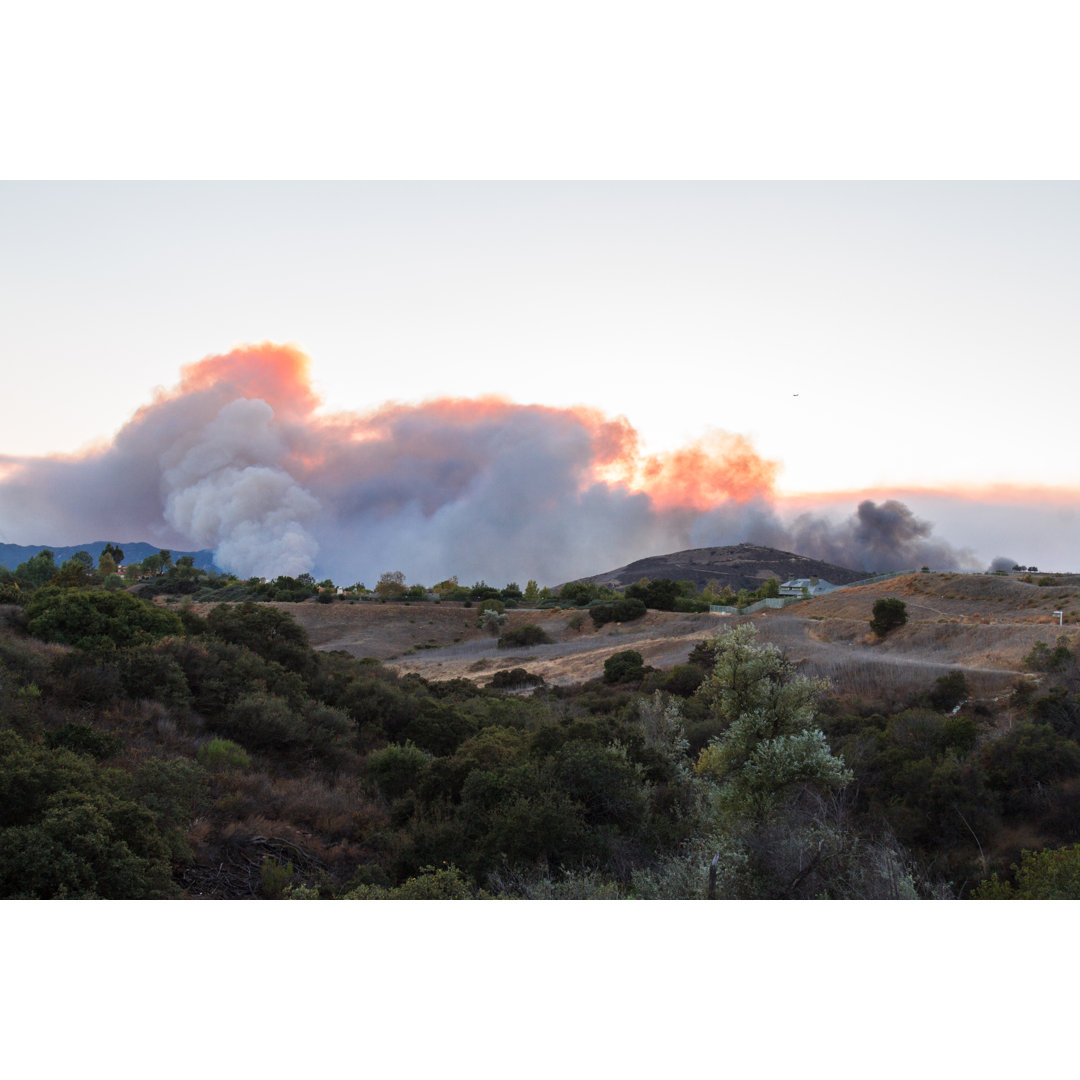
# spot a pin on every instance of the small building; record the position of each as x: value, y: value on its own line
x: 807, y: 586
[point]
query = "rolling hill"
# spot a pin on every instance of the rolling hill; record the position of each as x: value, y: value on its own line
x: 982, y: 624
x: 741, y: 566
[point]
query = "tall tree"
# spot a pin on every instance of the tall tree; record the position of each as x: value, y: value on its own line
x: 391, y: 584
x: 77, y: 572
x: 39, y: 569
x: 115, y: 553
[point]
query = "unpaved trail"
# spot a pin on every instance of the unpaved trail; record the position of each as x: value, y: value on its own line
x: 666, y: 640
x: 981, y: 624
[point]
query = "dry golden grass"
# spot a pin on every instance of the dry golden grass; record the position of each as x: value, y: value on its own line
x: 662, y: 638
x: 967, y: 598
x: 982, y: 623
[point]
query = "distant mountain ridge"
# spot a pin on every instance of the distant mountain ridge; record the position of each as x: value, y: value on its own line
x: 740, y: 566
x: 134, y: 551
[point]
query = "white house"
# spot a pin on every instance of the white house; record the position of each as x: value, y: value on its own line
x: 807, y: 586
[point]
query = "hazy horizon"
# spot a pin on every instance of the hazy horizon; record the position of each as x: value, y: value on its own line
x: 240, y: 458
x: 676, y: 365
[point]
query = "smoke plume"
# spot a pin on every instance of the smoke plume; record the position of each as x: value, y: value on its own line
x: 237, y: 458
x: 225, y: 487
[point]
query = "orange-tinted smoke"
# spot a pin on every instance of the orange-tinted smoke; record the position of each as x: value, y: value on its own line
x: 612, y: 438
x: 699, y: 476
x: 279, y: 374
x: 702, y: 475
x: 707, y: 473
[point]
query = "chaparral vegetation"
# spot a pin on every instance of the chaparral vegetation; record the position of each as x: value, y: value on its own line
x: 170, y: 732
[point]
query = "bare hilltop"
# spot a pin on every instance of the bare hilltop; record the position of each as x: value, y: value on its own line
x: 739, y: 566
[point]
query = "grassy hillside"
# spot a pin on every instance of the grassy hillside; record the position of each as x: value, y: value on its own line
x: 984, y: 624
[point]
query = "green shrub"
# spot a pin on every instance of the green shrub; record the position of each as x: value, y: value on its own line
x: 220, y: 673
x: 274, y: 878
x: 397, y: 770
x: 509, y: 679
x: 958, y: 733
x: 625, y: 666
x: 10, y: 593
x: 949, y: 691
x: 683, y: 679
x: 1051, y: 874
x: 95, y: 619
x: 86, y: 678
x: 660, y: 595
x: 604, y: 783
x: 492, y: 621
x: 222, y: 755
x: 69, y: 829
x: 625, y: 609
x: 1043, y: 658
x: 490, y: 748
x: 175, y: 790
x: 579, y: 593
x: 523, y: 636
x: 149, y: 672
x: 518, y: 815
x: 440, y: 727
x: 261, y: 721
x: 268, y: 632
x: 1059, y: 709
x: 1028, y: 758
x: 889, y: 613
x: 83, y: 739
x: 448, y: 883
x: 691, y: 605
x: 375, y: 703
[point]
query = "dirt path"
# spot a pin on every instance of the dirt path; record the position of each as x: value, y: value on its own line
x: 665, y: 642
x: 981, y: 624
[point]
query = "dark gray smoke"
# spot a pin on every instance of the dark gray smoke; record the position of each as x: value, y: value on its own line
x: 878, y: 537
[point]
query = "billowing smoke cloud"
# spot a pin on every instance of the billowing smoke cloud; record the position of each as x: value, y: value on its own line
x: 225, y: 488
x: 878, y: 537
x: 1001, y: 563
x: 237, y: 458
x: 886, y: 536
